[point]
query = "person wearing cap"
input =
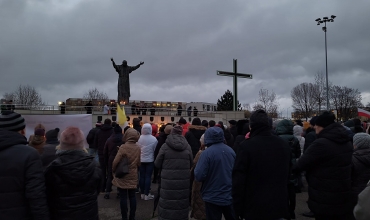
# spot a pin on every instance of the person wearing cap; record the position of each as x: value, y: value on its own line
x: 72, y: 179
x: 21, y: 173
x: 327, y: 163
x: 360, y: 163
x: 214, y: 170
x: 174, y: 160
x: 93, y: 149
x: 261, y: 173
x: 48, y: 154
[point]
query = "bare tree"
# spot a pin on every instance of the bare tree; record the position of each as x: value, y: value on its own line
x: 26, y: 96
x: 267, y: 101
x: 345, y: 101
x: 304, y: 100
x: 95, y: 96
x: 320, y: 90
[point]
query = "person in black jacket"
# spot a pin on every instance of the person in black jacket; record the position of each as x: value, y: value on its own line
x: 73, y: 179
x: 360, y: 163
x: 48, y: 154
x: 233, y: 129
x: 310, y: 136
x: 284, y: 129
x: 261, y: 173
x: 136, y: 124
x: 90, y: 139
x: 22, y: 184
x: 163, y: 133
x: 242, y: 129
x: 328, y: 165
x: 195, y: 131
x: 110, y: 152
x: 101, y: 137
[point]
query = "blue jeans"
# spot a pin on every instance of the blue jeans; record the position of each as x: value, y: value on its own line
x: 146, y: 170
x: 215, y: 212
x: 130, y: 193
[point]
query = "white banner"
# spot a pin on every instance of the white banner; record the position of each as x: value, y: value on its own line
x: 82, y: 121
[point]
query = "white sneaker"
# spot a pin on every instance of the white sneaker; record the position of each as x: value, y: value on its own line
x: 148, y: 197
x: 142, y: 196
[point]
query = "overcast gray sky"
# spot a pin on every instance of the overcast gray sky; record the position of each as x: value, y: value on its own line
x: 63, y: 47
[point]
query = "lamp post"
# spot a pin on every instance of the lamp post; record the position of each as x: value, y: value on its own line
x: 319, y: 21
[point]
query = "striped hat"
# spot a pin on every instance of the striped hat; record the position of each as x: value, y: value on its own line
x: 11, y: 121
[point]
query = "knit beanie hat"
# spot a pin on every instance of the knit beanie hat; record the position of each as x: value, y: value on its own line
x: 39, y: 126
x: 313, y: 120
x: 72, y: 138
x: 117, y: 129
x: 205, y: 123
x: 196, y: 121
x: 11, y: 121
x: 167, y: 129
x: 40, y: 132
x: 259, y: 117
x: 52, y: 135
x: 182, y: 121
x: 325, y: 119
x: 361, y: 140
x: 177, y: 130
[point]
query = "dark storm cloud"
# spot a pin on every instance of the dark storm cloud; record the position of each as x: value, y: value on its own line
x: 63, y: 47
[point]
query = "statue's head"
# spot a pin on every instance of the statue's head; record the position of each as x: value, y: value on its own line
x: 124, y: 62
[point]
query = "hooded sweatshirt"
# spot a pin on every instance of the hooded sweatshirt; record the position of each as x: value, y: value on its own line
x: 147, y: 144
x: 214, y: 168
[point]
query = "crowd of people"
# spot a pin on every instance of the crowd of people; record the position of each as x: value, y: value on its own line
x: 250, y: 169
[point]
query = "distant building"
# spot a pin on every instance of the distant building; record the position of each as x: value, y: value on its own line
x: 203, y: 106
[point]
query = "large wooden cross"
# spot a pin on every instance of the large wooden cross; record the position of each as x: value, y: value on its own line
x: 235, y: 74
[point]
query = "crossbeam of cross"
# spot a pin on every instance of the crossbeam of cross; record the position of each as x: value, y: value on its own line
x: 235, y: 75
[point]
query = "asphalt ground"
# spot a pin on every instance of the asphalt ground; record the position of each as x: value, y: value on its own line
x: 109, y: 209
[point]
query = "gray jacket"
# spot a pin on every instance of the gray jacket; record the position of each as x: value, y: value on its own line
x: 174, y: 161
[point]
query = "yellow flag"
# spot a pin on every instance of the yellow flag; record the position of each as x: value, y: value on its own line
x: 121, y: 115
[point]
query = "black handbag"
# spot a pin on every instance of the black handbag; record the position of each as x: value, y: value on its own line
x: 122, y: 168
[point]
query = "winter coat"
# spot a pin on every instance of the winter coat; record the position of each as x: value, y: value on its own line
x: 261, y: 173
x: 233, y: 130
x: 328, y: 165
x: 132, y: 151
x: 101, y: 136
x: 48, y: 154
x: 214, y: 169
x: 91, y: 138
x: 360, y: 170
x: 22, y: 182
x: 309, y: 138
x: 111, y: 148
x: 228, y: 138
x: 147, y: 144
x: 362, y: 211
x: 198, y: 209
x: 38, y: 143
x: 174, y: 162
x: 185, y: 128
x: 298, y: 132
x: 193, y: 137
x: 161, y: 140
x: 136, y: 124
x: 72, y: 186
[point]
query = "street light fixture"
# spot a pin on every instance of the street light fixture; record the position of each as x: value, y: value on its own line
x: 320, y: 21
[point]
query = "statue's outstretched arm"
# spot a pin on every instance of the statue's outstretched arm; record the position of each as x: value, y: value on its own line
x: 132, y: 68
x: 114, y: 64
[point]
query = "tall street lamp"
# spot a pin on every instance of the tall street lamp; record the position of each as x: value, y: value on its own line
x: 319, y: 21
